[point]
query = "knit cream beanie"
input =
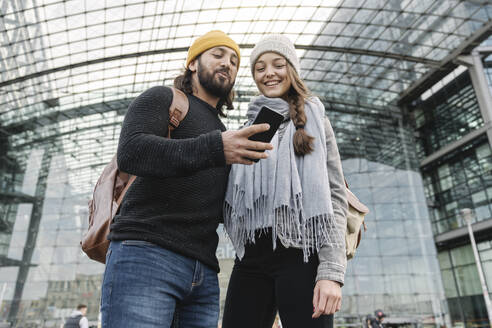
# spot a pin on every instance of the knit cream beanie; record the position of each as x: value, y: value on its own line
x: 279, y: 44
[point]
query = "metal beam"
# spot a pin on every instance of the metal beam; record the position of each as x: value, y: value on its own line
x: 379, y: 112
x: 119, y: 105
x: 354, y: 51
x: 453, y: 146
x: 90, y: 62
x: 460, y: 236
x: 484, y: 50
x: 365, y: 52
x: 53, y: 138
x: 446, y: 67
x: 482, y: 90
x: 17, y: 197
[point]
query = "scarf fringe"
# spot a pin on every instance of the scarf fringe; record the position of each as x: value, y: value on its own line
x: 287, y: 222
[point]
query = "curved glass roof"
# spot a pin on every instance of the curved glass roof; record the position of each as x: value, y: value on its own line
x: 68, y: 69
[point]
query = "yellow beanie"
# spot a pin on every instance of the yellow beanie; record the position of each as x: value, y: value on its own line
x: 210, y: 40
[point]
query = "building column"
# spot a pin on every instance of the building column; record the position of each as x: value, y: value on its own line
x: 482, y: 90
x: 33, y: 229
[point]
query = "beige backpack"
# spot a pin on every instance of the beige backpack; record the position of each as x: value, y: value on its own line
x: 355, y: 220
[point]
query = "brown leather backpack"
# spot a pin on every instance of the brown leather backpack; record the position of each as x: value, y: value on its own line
x: 112, y: 187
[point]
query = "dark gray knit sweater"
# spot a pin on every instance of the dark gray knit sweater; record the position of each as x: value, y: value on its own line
x: 176, y: 200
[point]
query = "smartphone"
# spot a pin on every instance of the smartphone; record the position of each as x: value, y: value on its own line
x: 266, y: 115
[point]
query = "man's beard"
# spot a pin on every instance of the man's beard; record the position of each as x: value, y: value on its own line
x: 211, y: 84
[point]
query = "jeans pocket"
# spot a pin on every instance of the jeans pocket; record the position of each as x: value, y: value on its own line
x: 137, y: 243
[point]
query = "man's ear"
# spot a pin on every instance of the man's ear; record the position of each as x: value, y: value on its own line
x: 193, y: 65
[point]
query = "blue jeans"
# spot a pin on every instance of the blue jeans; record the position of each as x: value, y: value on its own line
x: 147, y: 286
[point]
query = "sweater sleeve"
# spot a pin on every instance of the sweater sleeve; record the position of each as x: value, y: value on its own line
x: 144, y: 150
x: 333, y: 260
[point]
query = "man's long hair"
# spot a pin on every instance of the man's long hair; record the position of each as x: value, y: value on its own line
x: 184, y: 82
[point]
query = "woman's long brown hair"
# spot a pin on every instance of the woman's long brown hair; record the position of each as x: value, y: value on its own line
x: 296, y: 96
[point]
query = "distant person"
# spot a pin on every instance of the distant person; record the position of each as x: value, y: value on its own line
x: 77, y: 319
x: 377, y: 320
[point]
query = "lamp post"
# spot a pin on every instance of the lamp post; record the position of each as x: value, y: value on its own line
x: 467, y: 215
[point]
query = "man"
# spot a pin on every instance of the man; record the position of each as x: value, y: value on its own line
x: 161, y: 265
x: 377, y: 321
x: 77, y: 319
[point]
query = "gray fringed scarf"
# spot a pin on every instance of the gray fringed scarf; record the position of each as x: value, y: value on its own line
x: 289, y: 193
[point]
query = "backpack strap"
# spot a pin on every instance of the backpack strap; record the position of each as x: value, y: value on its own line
x: 123, y: 192
x: 177, y: 112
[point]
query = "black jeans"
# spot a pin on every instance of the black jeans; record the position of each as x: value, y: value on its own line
x: 265, y: 281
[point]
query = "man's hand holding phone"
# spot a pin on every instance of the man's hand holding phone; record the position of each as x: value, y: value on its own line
x: 248, y: 145
x: 274, y: 119
x: 238, y: 149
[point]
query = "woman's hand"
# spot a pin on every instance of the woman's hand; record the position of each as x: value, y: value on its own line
x: 327, y: 298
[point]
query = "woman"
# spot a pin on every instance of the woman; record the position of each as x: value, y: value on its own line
x: 285, y: 215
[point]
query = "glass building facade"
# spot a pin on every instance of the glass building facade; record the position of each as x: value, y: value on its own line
x: 447, y: 116
x: 454, y: 147
x: 462, y: 180
x: 388, y: 271
x: 69, y: 69
x: 462, y: 283
x: 458, y: 179
x: 381, y: 167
